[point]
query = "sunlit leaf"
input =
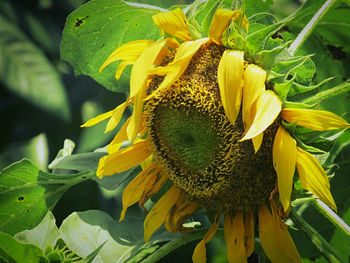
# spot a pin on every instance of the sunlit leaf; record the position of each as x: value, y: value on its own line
x: 95, y: 30
x: 27, y: 193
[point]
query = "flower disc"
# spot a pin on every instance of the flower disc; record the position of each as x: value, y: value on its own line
x: 198, y: 146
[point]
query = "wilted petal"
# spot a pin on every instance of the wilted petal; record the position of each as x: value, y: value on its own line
x: 200, y: 252
x: 275, y: 239
x: 267, y: 109
x: 170, y: 219
x: 230, y: 79
x: 123, y: 160
x: 153, y: 185
x: 284, y: 158
x: 128, y: 52
x: 159, y: 211
x: 174, y: 23
x: 135, y: 189
x: 313, y: 178
x: 314, y: 119
x: 249, y: 232
x: 234, y: 237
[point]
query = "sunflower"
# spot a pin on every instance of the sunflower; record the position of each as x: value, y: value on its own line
x: 205, y: 123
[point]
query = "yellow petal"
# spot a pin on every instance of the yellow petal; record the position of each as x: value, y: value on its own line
x: 143, y: 64
x: 153, y: 185
x: 134, y: 190
x: 313, y: 178
x: 257, y: 141
x: 284, y: 157
x: 116, y: 116
x: 129, y: 52
x: 174, y: 23
x: 98, y: 119
x: 314, y: 119
x: 181, y: 60
x: 249, y: 232
x: 234, y: 237
x: 275, y: 239
x: 122, y: 65
x: 219, y: 23
x: 200, y: 252
x: 123, y: 160
x: 121, y: 136
x: 254, y: 86
x: 135, y: 119
x: 182, y: 213
x: 230, y: 78
x: 267, y: 109
x: 170, y: 219
x: 159, y: 211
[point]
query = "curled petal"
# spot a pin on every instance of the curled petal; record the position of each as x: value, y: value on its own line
x: 284, y: 158
x: 135, y: 189
x: 200, y: 252
x: 234, y: 236
x: 313, y: 178
x: 230, y: 78
x: 128, y: 52
x: 174, y: 23
x: 123, y: 160
x: 275, y: 239
x: 254, y: 86
x: 159, y: 211
x: 314, y: 119
x: 267, y: 109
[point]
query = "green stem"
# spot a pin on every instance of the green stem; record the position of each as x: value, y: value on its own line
x: 309, y: 27
x: 176, y: 243
x: 329, y: 93
x: 320, y: 243
x: 331, y: 216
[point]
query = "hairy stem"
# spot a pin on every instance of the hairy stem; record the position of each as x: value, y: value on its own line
x: 309, y: 27
x: 320, y: 243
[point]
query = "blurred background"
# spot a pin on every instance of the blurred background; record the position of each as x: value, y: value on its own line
x: 42, y: 103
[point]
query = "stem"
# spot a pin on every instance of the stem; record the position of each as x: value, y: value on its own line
x: 176, y: 243
x: 309, y: 27
x: 320, y: 243
x: 331, y: 216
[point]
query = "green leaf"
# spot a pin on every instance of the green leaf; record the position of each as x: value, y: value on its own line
x: 27, y: 193
x: 26, y: 71
x: 78, y: 162
x: 13, y: 251
x: 95, y: 227
x: 257, y: 40
x: 44, y: 234
x: 96, y: 29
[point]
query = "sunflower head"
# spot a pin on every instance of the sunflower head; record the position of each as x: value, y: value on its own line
x: 211, y: 121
